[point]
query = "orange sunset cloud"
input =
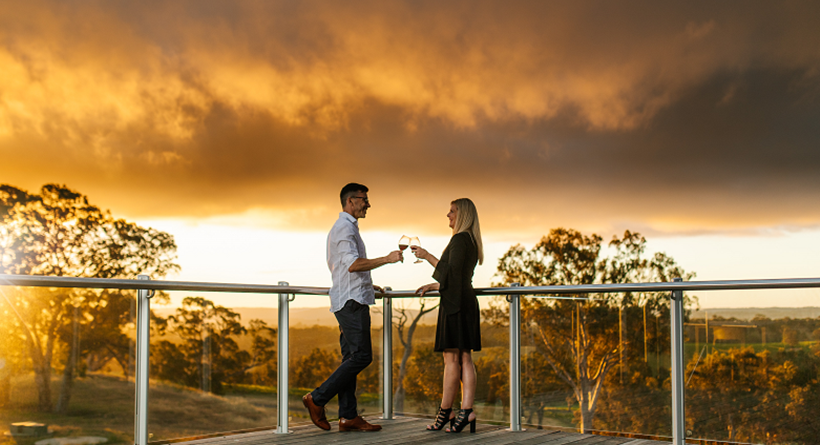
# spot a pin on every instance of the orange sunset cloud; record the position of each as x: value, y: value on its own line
x: 667, y: 117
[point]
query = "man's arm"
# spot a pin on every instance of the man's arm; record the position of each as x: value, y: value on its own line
x: 365, y: 264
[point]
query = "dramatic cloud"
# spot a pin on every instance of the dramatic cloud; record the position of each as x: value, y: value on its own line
x: 675, y: 117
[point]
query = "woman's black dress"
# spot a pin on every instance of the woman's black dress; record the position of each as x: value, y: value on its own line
x: 459, y: 322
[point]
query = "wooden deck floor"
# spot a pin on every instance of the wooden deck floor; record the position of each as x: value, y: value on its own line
x: 407, y: 430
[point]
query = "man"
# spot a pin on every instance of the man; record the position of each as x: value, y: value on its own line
x: 350, y: 295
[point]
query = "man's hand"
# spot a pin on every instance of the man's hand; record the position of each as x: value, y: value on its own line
x: 378, y: 290
x: 394, y: 256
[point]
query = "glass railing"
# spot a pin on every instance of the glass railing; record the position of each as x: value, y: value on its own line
x: 743, y: 378
x: 624, y: 345
x: 315, y: 353
x: 213, y: 368
x: 751, y: 372
x: 492, y: 399
x: 418, y: 369
x: 67, y: 361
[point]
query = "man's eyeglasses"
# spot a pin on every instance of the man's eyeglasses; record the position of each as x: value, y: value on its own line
x: 366, y: 201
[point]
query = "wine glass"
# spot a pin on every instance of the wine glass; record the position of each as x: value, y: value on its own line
x: 414, y: 242
x: 403, y: 243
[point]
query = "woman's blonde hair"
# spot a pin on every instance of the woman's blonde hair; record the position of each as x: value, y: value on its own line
x: 467, y: 221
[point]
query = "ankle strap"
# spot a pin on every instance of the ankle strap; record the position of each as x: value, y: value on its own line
x: 464, y: 413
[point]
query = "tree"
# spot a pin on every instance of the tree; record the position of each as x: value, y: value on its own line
x: 210, y: 351
x: 790, y: 336
x: 424, y: 377
x: 11, y: 252
x: 402, y: 317
x: 311, y: 370
x: 584, y: 339
x: 101, y: 329
x: 58, y: 233
x: 263, y: 349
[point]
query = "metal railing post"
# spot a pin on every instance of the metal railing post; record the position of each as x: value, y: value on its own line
x: 515, y: 360
x: 387, y: 355
x: 678, y: 411
x: 283, y: 354
x: 141, y: 372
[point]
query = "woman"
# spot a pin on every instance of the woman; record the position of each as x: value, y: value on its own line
x: 458, y: 328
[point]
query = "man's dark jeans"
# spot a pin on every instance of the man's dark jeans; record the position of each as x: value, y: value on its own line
x: 357, y: 353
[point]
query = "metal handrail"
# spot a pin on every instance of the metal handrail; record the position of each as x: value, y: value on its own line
x: 196, y: 286
x: 143, y: 285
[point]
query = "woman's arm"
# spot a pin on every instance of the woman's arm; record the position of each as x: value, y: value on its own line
x: 427, y: 288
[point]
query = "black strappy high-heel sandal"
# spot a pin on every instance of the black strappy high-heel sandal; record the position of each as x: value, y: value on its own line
x: 442, y: 418
x: 461, y: 422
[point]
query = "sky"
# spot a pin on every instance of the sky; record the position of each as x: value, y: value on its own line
x: 233, y: 125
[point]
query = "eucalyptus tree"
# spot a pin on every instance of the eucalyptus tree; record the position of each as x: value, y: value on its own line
x: 208, y: 333
x: 57, y: 232
x: 583, y: 339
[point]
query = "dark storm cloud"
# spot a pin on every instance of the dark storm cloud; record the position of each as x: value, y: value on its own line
x: 679, y: 117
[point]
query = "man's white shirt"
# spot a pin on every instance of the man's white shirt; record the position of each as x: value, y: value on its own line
x: 344, y: 246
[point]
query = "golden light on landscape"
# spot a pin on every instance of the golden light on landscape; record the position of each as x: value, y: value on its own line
x: 629, y: 141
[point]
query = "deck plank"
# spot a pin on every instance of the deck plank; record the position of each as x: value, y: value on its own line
x: 408, y: 430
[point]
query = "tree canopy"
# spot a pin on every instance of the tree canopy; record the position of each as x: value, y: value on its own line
x: 584, y: 339
x: 57, y: 232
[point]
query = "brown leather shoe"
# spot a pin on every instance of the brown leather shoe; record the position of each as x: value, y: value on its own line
x: 357, y: 424
x: 317, y: 413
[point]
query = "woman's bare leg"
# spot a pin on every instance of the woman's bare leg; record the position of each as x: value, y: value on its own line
x: 468, y: 380
x: 452, y: 375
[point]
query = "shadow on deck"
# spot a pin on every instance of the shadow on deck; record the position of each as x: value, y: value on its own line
x: 409, y: 430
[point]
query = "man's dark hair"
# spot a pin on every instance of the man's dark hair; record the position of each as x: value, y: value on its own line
x: 349, y: 190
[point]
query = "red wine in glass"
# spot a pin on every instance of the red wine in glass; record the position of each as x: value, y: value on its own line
x: 403, y: 243
x: 414, y: 241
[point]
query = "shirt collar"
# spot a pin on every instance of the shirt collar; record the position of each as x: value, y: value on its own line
x: 349, y: 217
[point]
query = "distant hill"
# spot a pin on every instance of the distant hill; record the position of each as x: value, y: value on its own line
x: 747, y: 313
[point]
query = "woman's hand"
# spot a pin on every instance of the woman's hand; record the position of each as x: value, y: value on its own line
x: 427, y: 288
x: 419, y: 252
x: 423, y: 254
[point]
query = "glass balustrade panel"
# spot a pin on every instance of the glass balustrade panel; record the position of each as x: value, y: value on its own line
x: 315, y: 353
x: 616, y: 345
x: 67, y: 362
x: 213, y: 366
x: 752, y: 361
x: 418, y: 369
x: 492, y: 399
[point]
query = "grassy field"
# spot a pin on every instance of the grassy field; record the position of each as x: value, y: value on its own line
x: 101, y: 406
x: 104, y: 406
